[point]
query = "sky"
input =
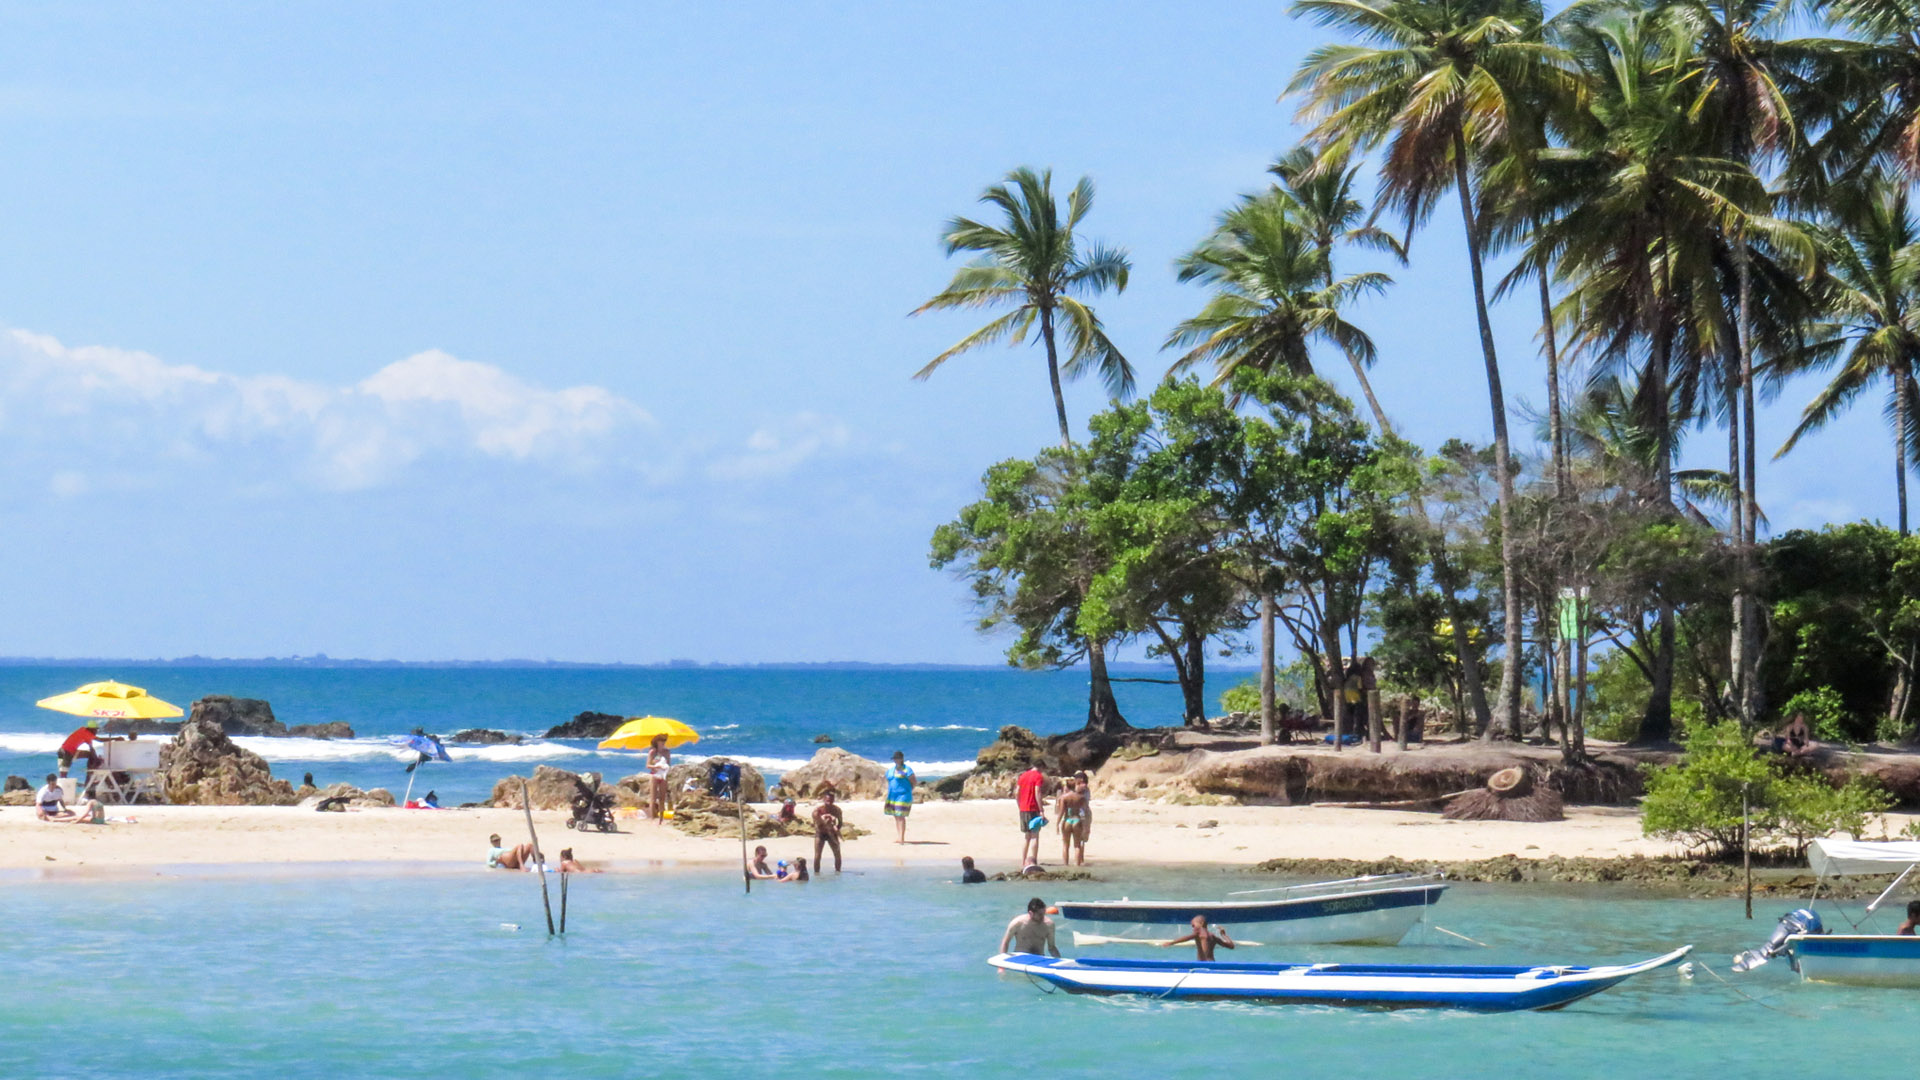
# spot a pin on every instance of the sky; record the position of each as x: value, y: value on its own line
x: 580, y: 332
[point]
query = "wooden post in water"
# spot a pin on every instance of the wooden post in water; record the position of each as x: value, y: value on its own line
x: 1406, y: 719
x: 540, y: 862
x: 746, y: 868
x: 1746, y: 847
x: 563, y: 903
x: 1374, y: 722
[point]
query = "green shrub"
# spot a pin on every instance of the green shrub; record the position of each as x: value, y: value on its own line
x: 1292, y: 686
x: 1699, y: 800
x: 1826, y: 713
x: 1616, y: 698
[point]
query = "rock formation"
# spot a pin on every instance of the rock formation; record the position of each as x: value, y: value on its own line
x: 753, y: 785
x: 375, y: 797
x: 201, y: 766
x: 140, y: 727
x: 485, y: 737
x: 549, y: 789
x: 587, y: 725
x: 337, y: 729
x: 849, y: 775
x: 236, y: 716
x: 18, y: 783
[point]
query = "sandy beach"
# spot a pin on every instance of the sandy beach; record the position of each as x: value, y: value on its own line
x: 1126, y: 833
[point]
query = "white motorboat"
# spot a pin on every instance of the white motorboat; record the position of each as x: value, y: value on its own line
x: 1866, y: 955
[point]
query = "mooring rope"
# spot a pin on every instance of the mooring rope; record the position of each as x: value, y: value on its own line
x: 1462, y: 937
x: 1723, y: 982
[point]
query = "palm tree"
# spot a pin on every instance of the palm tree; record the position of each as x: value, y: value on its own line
x: 1882, y: 123
x: 1272, y: 298
x: 1034, y: 263
x: 1646, y: 198
x: 1440, y: 86
x: 1873, y: 293
x: 1319, y: 196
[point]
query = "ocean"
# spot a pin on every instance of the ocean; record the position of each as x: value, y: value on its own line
x: 939, y: 717
x: 341, y: 972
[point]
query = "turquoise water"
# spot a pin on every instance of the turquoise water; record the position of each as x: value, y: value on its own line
x: 939, y: 717
x: 879, y: 974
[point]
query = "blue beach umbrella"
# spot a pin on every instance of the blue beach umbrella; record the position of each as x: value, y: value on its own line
x: 427, y: 747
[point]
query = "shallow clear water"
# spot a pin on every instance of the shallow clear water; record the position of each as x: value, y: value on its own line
x: 877, y: 974
x: 940, y: 718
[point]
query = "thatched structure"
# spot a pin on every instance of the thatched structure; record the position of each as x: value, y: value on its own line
x: 1512, y: 794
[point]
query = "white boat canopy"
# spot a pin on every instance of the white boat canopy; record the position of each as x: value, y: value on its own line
x: 1835, y: 858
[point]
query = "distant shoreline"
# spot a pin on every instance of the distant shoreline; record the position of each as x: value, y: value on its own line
x: 329, y: 662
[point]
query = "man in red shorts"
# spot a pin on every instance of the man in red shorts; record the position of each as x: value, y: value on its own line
x: 1028, y: 791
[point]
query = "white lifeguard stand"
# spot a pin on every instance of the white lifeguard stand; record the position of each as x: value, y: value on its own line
x: 129, y: 772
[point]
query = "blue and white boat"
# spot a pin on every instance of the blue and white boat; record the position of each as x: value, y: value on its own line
x: 1860, y: 957
x: 1483, y: 989
x: 1373, y: 910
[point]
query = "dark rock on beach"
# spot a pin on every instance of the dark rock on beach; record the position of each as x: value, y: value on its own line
x: 140, y: 727
x: 849, y: 776
x: 201, y: 766
x: 822, y: 740
x: 485, y: 737
x: 587, y: 725
x: 335, y: 730
x: 342, y: 796
x: 237, y: 716
x: 548, y: 789
x: 18, y: 783
x: 752, y: 783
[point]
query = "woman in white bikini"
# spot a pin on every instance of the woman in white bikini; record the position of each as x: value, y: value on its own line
x: 659, y: 760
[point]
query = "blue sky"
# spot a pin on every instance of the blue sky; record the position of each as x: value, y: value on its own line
x: 479, y: 331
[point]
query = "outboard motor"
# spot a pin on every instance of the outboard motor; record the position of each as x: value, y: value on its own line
x: 1802, y: 921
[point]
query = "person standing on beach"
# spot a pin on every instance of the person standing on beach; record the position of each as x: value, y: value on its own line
x: 87, y: 735
x: 1028, y: 791
x: 899, y: 797
x: 1031, y: 931
x: 826, y: 830
x: 1076, y: 820
x: 659, y: 762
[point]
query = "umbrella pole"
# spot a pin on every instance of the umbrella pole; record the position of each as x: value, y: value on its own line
x: 540, y: 862
x: 746, y: 869
x: 408, y: 797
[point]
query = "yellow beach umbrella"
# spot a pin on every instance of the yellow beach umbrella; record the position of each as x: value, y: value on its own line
x: 638, y: 734
x: 110, y: 700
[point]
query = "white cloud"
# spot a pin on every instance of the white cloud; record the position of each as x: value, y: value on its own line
x: 80, y: 419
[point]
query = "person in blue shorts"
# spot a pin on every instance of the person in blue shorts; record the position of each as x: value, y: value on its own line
x: 899, y: 795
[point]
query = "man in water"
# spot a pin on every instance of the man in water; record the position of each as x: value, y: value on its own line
x: 1031, y: 931
x: 1075, y: 808
x: 1028, y: 790
x: 1913, y: 919
x: 899, y: 796
x: 1204, y: 938
x: 758, y: 868
x: 826, y: 830
x: 969, y: 875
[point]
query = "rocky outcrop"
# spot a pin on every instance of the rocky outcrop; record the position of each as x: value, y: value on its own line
x: 1012, y: 752
x: 587, y: 725
x: 848, y: 775
x: 822, y: 740
x: 335, y: 730
x: 18, y: 783
x: 549, y: 789
x: 311, y: 798
x: 140, y: 727
x: 237, y: 716
x: 202, y: 767
x: 485, y: 737
x: 698, y: 815
x: 752, y: 784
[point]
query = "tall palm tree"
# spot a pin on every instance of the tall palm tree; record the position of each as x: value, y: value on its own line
x: 1883, y: 122
x: 1873, y: 293
x: 1272, y: 299
x: 1437, y: 87
x: 1034, y: 263
x: 1647, y: 197
x: 1319, y: 195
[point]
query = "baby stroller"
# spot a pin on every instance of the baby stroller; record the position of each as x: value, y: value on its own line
x: 592, y: 809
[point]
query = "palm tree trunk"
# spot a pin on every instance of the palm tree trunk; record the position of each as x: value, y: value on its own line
x: 1103, y: 712
x: 1507, y: 712
x: 1656, y: 725
x: 1556, y: 433
x: 1901, y: 381
x: 1752, y: 693
x: 1266, y: 669
x: 1053, y: 374
x: 1193, y: 673
x: 1737, y: 527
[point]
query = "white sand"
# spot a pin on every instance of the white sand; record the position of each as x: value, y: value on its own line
x: 1125, y: 833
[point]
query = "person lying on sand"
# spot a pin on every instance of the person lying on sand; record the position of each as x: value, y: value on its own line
x: 1031, y: 931
x: 518, y: 857
x: 758, y: 868
x: 49, y: 804
x: 571, y: 865
x: 1204, y: 938
x: 826, y: 830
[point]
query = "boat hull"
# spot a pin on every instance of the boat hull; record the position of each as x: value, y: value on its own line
x: 1857, y: 959
x: 1480, y: 989
x: 1366, y: 917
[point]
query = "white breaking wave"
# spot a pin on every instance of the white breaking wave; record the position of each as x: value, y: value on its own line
x: 942, y: 727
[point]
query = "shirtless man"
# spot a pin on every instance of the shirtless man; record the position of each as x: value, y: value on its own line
x: 1031, y: 931
x: 1075, y: 808
x: 1204, y: 938
x: 1912, y: 924
x: 758, y: 869
x: 826, y: 830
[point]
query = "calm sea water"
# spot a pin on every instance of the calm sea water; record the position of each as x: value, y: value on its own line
x: 939, y: 718
x: 879, y: 974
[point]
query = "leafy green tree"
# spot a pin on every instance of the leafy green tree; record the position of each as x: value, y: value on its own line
x: 1034, y: 263
x: 1846, y: 616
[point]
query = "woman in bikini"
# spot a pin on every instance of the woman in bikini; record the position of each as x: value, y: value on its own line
x: 1075, y: 810
x: 659, y: 761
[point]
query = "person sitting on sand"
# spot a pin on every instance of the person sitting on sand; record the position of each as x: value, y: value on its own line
x: 1908, y: 928
x: 518, y: 857
x: 826, y: 830
x: 1204, y: 938
x: 758, y: 868
x: 969, y: 875
x: 571, y: 865
x: 798, y: 873
x: 1031, y: 931
x: 1076, y: 820
x: 787, y: 815
x: 659, y: 761
x: 1796, y: 738
x: 49, y: 804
